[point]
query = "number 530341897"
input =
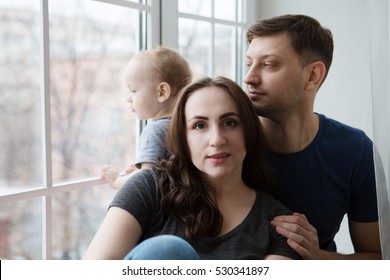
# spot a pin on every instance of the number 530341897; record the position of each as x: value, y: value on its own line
x: 235, y: 270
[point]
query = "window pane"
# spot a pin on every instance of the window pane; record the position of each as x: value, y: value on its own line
x: 91, y: 44
x: 76, y: 218
x: 225, y: 9
x: 20, y: 102
x: 21, y: 230
x: 199, y: 7
x: 225, y: 44
x: 194, y: 44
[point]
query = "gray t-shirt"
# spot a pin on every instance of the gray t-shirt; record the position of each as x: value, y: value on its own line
x: 152, y: 142
x: 254, y: 238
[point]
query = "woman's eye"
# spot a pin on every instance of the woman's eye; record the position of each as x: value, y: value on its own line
x: 230, y: 123
x: 199, y: 126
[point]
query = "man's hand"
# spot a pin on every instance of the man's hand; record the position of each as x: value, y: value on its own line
x: 300, y: 234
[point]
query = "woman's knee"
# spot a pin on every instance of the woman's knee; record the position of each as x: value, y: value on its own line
x: 163, y: 247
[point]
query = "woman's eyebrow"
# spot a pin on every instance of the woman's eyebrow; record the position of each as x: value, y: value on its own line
x: 225, y: 115
x: 229, y: 114
x: 196, y: 117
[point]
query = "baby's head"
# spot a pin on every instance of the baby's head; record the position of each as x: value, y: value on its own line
x: 154, y: 78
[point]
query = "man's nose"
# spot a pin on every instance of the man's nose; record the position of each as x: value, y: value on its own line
x: 252, y: 77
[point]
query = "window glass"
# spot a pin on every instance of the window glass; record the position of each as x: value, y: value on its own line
x: 199, y: 7
x: 211, y: 45
x: 225, y: 50
x: 76, y: 218
x: 90, y: 45
x: 225, y: 9
x: 20, y: 102
x: 194, y: 44
x: 21, y: 236
x: 137, y: 1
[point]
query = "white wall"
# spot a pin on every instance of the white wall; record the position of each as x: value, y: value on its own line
x: 380, y: 61
x: 346, y: 94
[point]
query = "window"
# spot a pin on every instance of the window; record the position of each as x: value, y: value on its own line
x: 63, y: 105
x: 210, y: 35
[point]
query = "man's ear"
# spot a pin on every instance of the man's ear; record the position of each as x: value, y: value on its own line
x: 164, y: 92
x: 316, y: 75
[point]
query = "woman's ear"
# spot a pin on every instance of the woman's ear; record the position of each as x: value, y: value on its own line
x: 164, y: 92
x: 316, y: 75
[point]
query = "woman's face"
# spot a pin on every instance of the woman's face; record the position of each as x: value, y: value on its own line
x: 215, y: 133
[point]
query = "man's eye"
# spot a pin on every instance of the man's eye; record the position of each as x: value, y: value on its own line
x: 268, y: 64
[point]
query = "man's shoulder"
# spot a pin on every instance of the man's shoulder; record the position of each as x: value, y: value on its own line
x: 335, y: 128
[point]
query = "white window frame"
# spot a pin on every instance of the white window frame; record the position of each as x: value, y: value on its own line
x: 169, y: 27
x: 49, y: 189
x: 162, y: 30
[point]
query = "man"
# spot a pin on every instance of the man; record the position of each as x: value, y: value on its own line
x: 325, y: 168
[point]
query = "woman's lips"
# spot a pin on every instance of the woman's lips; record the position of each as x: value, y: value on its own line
x: 218, y: 157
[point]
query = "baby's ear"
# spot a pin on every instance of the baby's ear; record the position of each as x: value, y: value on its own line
x: 164, y: 92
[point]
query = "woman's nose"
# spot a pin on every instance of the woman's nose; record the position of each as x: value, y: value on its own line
x: 217, y: 137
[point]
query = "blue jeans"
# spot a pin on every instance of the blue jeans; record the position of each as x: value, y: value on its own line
x: 163, y: 247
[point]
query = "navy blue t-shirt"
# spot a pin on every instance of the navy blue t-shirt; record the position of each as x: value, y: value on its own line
x: 331, y: 177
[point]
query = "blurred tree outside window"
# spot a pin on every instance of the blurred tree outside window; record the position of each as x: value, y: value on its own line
x: 90, y: 45
x: 52, y: 204
x: 210, y: 36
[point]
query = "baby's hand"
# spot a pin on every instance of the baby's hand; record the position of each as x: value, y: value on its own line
x: 109, y: 174
x: 130, y: 169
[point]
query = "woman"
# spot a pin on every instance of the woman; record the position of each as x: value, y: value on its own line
x: 212, y: 193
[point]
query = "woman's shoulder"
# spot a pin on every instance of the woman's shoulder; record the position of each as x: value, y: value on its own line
x: 144, y: 178
x: 142, y: 186
x: 269, y: 204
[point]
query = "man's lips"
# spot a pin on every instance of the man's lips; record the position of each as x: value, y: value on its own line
x: 260, y: 92
x: 256, y: 94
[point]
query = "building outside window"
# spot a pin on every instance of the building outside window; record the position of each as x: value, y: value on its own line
x: 63, y: 110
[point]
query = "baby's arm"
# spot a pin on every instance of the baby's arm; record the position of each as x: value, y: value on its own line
x: 113, y: 177
x: 130, y: 171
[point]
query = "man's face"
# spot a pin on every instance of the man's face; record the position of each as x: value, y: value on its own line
x: 276, y: 77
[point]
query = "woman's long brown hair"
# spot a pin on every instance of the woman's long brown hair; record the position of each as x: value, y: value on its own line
x: 186, y: 194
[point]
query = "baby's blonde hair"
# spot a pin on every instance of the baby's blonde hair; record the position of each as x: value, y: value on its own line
x: 169, y: 66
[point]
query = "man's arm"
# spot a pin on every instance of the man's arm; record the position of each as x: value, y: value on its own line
x: 303, y: 238
x: 366, y: 241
